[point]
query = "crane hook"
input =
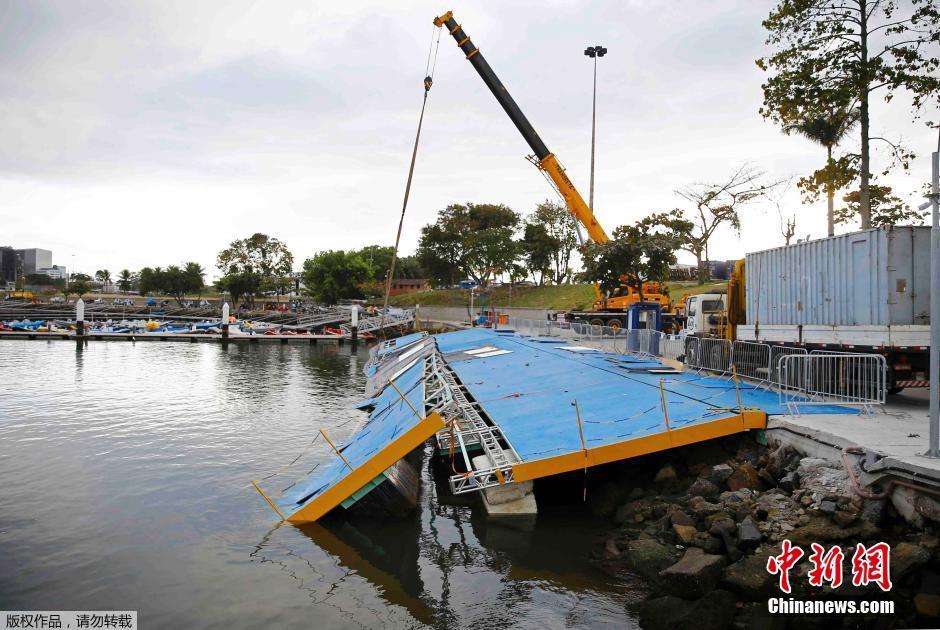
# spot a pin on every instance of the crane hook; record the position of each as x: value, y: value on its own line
x: 427, y: 83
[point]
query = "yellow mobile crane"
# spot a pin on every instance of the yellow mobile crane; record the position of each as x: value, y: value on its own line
x: 607, y: 310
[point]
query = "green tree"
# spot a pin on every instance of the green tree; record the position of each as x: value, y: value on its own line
x: 379, y: 259
x: 125, y: 280
x: 827, y: 130
x: 409, y: 267
x: 79, y: 284
x: 150, y: 281
x: 560, y: 226
x: 886, y: 209
x: 177, y: 281
x: 259, y: 253
x: 334, y: 275
x: 839, y: 53
x: 714, y: 205
x: 637, y: 253
x: 470, y: 240
x: 241, y: 286
x: 104, y: 277
x: 537, y: 248
x: 195, y: 275
x: 38, y: 280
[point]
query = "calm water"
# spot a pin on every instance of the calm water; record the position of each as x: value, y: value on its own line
x: 124, y: 484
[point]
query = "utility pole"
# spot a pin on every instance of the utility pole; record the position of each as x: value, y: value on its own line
x: 593, y: 52
x: 934, y: 196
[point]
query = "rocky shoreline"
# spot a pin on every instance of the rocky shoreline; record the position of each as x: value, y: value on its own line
x: 694, y: 531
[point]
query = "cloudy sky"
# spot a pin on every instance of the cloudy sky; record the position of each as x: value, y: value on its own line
x: 155, y: 132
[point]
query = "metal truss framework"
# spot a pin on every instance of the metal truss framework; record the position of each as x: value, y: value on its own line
x: 445, y: 395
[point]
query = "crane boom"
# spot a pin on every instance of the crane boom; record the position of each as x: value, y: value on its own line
x: 547, y: 161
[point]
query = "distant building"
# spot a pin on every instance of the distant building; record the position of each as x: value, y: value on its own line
x: 55, y: 272
x: 681, y: 272
x: 9, y: 266
x: 409, y: 285
x: 33, y: 259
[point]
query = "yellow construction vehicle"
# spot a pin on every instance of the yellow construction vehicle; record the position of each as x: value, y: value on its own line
x: 607, y: 309
x: 20, y: 295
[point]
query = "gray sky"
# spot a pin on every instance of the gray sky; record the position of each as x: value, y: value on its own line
x: 154, y: 132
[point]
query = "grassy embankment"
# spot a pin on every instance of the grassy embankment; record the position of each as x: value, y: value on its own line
x: 567, y: 297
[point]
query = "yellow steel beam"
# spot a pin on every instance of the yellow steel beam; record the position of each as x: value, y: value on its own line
x: 747, y: 419
x: 368, y: 470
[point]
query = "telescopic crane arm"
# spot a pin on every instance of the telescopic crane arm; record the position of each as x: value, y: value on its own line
x: 547, y: 161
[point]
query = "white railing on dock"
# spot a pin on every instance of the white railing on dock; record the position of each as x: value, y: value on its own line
x: 710, y: 355
x: 781, y: 351
x: 378, y: 322
x: 751, y: 359
x: 839, y: 378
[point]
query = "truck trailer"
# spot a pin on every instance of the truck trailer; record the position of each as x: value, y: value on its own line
x: 862, y: 292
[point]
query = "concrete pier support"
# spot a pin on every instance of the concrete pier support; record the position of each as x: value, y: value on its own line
x: 507, y: 500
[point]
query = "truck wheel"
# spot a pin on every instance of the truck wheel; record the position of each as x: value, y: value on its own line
x: 598, y: 322
x: 615, y: 324
x: 895, y: 390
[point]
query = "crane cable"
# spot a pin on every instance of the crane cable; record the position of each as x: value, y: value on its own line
x: 429, y: 68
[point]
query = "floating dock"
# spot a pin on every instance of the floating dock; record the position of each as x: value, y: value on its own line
x: 177, y: 337
x: 507, y: 409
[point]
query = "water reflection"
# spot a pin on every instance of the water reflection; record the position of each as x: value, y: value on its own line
x: 126, y: 468
x: 449, y: 566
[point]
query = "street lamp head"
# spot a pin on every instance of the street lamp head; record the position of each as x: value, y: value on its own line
x: 600, y: 51
x: 590, y: 52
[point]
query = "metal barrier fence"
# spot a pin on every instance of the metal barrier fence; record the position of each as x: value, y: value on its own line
x: 834, y: 379
x: 781, y: 351
x: 643, y: 342
x: 798, y: 376
x: 751, y: 360
x: 711, y: 355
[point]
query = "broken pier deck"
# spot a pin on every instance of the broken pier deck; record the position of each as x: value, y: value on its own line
x: 533, y: 406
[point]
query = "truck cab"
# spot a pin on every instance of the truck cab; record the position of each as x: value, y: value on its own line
x: 703, y: 314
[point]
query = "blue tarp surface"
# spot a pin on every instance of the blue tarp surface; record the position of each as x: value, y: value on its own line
x: 389, y: 420
x: 529, y: 393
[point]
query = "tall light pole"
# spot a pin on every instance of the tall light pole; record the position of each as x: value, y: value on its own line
x: 593, y: 52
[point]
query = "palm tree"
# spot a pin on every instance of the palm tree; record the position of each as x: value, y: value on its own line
x: 104, y: 277
x: 827, y: 129
x: 125, y: 280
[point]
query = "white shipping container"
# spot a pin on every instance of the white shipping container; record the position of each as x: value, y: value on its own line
x: 877, y: 277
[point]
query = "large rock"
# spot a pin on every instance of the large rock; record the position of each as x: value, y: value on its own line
x: 719, y: 523
x: 685, y: 534
x: 749, y: 535
x: 666, y: 474
x: 744, y: 476
x: 715, y: 612
x: 749, y: 577
x: 694, y: 575
x: 648, y: 557
x: 703, y: 487
x: 678, y: 517
x: 635, y: 511
x: 605, y: 499
x: 820, y: 529
x: 822, y: 480
x: 720, y: 473
x: 907, y: 557
x: 790, y: 481
x: 778, y: 460
x: 701, y: 508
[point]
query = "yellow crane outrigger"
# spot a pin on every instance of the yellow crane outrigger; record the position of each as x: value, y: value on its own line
x: 546, y: 161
